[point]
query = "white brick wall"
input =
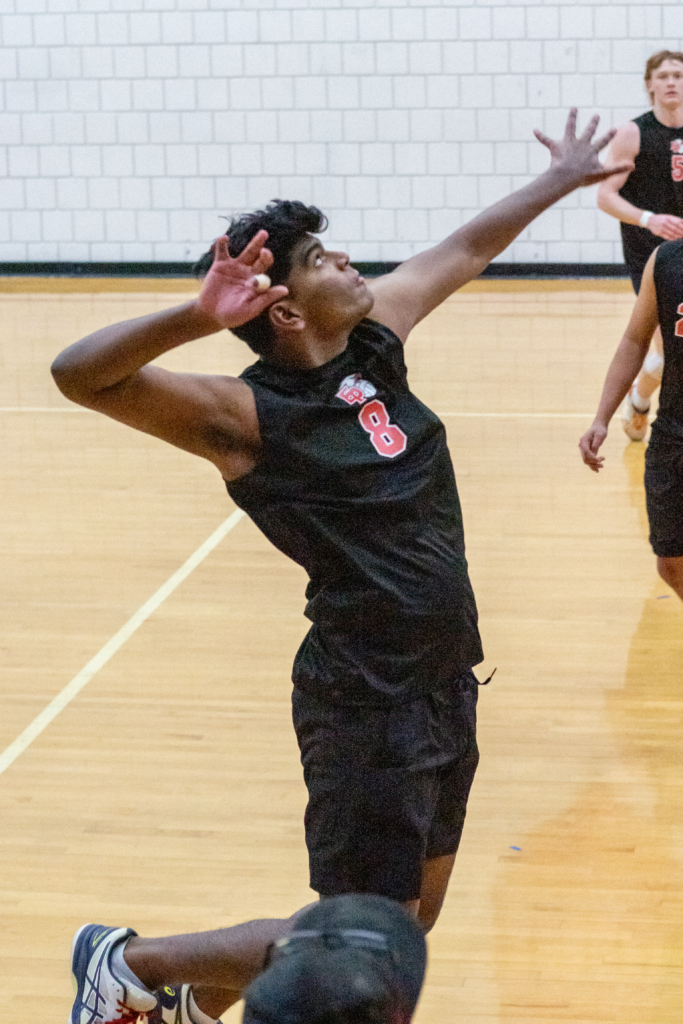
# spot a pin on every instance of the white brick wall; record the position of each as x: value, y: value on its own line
x: 127, y: 127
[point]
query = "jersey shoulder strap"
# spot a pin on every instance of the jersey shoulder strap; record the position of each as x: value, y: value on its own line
x: 647, y: 121
x: 669, y: 256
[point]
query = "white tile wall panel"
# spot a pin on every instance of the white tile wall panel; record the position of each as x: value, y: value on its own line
x: 379, y: 224
x: 136, y: 194
x: 493, y: 124
x: 644, y: 22
x: 128, y: 126
x: 508, y: 22
x: 577, y: 91
x: 395, y: 192
x: 462, y: 193
x: 392, y: 58
x: 43, y: 251
x: 41, y: 194
x: 476, y: 91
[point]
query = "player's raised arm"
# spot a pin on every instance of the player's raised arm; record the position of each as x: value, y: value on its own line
x: 420, y: 284
x: 109, y: 370
x: 625, y: 365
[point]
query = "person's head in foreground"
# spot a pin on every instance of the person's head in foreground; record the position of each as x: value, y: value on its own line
x: 348, y: 960
x: 325, y: 295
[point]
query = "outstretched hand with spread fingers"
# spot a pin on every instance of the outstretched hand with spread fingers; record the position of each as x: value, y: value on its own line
x: 578, y: 157
x: 230, y: 294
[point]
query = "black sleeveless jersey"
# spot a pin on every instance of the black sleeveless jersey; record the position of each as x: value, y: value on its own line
x: 668, y: 272
x: 656, y: 184
x: 355, y: 483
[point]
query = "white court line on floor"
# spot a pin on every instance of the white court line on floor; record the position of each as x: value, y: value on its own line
x: 73, y: 688
x: 523, y: 415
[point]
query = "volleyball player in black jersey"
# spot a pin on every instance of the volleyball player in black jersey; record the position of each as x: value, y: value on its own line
x: 659, y: 303
x: 322, y: 442
x: 649, y: 202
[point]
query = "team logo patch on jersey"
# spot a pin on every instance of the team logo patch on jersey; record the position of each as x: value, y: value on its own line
x: 354, y: 390
x: 676, y: 145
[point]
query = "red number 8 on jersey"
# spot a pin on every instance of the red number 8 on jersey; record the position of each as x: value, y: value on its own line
x: 387, y: 439
x: 678, y: 329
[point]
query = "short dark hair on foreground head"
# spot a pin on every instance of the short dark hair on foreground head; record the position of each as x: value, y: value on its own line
x: 354, y: 959
x: 287, y: 221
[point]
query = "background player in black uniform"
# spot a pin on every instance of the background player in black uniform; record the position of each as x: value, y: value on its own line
x: 347, y: 472
x: 660, y: 302
x: 359, y: 958
x: 649, y: 202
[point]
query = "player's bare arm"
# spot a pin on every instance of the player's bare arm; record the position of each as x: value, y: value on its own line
x: 624, y: 367
x: 208, y: 415
x: 625, y: 146
x: 405, y: 296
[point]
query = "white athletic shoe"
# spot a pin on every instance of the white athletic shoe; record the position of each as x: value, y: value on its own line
x: 174, y: 1007
x: 634, y: 421
x: 101, y: 997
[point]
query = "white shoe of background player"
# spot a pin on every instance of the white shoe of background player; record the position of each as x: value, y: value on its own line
x: 634, y: 421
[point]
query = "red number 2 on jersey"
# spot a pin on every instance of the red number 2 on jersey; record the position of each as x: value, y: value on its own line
x: 678, y: 329
x: 387, y: 439
x: 677, y: 167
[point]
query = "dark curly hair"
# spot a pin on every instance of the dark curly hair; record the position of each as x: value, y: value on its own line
x: 287, y: 221
x: 326, y: 972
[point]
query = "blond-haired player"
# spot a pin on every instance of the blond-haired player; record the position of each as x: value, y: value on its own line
x: 649, y: 203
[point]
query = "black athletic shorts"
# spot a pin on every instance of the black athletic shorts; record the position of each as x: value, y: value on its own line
x: 664, y: 493
x: 387, y: 787
x: 638, y: 245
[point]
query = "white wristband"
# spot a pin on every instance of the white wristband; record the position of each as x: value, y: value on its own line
x: 645, y: 218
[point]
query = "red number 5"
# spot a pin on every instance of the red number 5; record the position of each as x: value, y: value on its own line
x: 387, y: 439
x: 677, y: 168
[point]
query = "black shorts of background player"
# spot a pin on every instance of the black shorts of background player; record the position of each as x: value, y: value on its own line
x: 325, y: 446
x: 359, y: 958
x: 659, y: 303
x: 649, y: 203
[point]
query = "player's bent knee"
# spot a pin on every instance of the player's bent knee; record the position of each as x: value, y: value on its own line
x: 671, y: 571
x: 653, y: 365
x: 428, y: 920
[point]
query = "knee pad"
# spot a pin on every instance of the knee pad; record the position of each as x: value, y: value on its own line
x: 654, y: 364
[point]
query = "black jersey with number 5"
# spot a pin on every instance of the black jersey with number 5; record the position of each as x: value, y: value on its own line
x: 668, y: 276
x: 355, y: 483
x: 655, y: 184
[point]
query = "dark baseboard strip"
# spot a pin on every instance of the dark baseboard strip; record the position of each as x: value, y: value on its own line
x: 96, y: 269
x: 533, y: 270
x: 372, y: 269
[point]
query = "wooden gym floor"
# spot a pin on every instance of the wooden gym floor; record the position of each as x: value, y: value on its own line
x: 167, y: 794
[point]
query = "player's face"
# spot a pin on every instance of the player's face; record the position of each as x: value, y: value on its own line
x: 666, y: 83
x: 331, y: 293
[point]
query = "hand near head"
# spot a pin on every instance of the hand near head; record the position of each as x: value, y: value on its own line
x: 589, y: 446
x: 230, y: 293
x: 578, y: 157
